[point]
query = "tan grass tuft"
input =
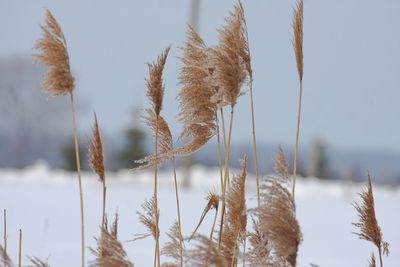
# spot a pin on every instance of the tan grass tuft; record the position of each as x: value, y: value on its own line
x: 110, y: 252
x: 298, y: 37
x: 236, y: 217
x: 197, y: 111
x: 148, y: 218
x: 368, y: 226
x: 281, y: 165
x: 36, y: 262
x: 53, y: 53
x: 172, y: 248
x: 231, y: 59
x: 5, y: 259
x: 260, y: 252
x: 205, y: 253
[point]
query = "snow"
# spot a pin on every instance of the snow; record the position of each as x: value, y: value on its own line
x: 45, y: 204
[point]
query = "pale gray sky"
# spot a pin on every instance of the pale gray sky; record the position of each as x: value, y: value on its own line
x: 352, y: 62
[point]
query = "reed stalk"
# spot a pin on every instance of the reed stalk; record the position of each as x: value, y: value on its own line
x: 20, y: 249
x: 156, y: 195
x: 78, y: 169
x: 227, y: 153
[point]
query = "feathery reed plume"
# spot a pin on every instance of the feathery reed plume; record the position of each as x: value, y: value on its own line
x: 197, y: 111
x: 205, y: 253
x: 148, y: 218
x: 53, y: 53
x: 236, y: 217
x: 109, y: 251
x: 213, y: 203
x: 96, y: 161
x: 372, y: 262
x: 281, y: 166
x: 260, y: 252
x: 20, y: 249
x: 368, y: 226
x: 229, y: 75
x: 298, y: 50
x: 36, y: 262
x: 276, y: 224
x: 279, y: 223
x: 4, y: 254
x: 5, y: 259
x: 173, y: 248
x: 155, y: 93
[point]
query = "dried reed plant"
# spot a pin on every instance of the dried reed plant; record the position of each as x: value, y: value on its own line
x: 368, y: 226
x: 212, y: 203
x: 236, y: 217
x: 155, y: 93
x: 5, y: 259
x: 109, y: 251
x: 148, y: 218
x: 205, y: 253
x: 96, y: 162
x: 260, y: 252
x: 197, y: 111
x: 372, y: 262
x: 276, y: 218
x: 173, y: 248
x: 166, y: 148
x: 229, y: 75
x: 53, y: 53
x: 298, y: 50
x: 36, y: 262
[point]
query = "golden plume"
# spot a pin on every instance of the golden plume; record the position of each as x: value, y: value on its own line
x: 53, y: 53
x: 109, y: 251
x: 368, y: 226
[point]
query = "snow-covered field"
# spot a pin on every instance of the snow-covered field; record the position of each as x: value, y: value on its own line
x: 45, y: 204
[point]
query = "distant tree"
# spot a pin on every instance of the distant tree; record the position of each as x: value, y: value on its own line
x: 31, y: 127
x: 68, y: 155
x: 134, y: 148
x: 318, y: 162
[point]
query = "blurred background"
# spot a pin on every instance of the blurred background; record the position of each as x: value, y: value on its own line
x: 351, y: 83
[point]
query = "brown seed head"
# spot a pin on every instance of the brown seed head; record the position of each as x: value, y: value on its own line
x: 96, y: 158
x: 298, y: 37
x: 53, y: 53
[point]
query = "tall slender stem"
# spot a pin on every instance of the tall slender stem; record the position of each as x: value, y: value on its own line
x: 227, y: 153
x: 104, y: 203
x: 156, y: 194
x: 179, y: 211
x: 5, y: 238
x: 296, y: 148
x: 380, y: 256
x: 244, y: 253
x: 78, y: 169
x: 224, y: 134
x: 219, y: 155
x: 254, y: 141
x: 20, y: 249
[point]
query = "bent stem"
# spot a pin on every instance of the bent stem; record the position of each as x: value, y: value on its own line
x: 380, y: 256
x: 78, y: 169
x: 179, y: 211
x: 296, y: 148
x: 157, y: 248
x: 213, y: 225
x: 224, y: 134
x: 219, y: 155
x: 227, y: 153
